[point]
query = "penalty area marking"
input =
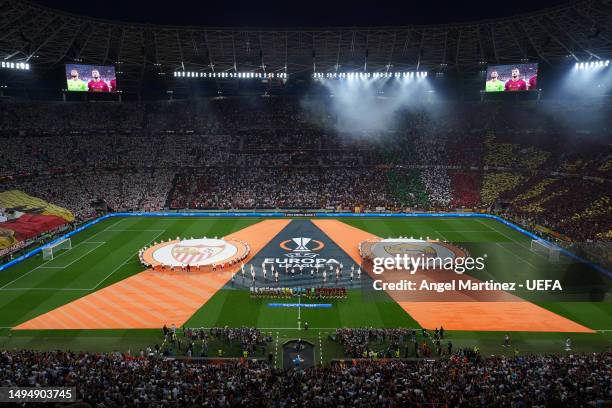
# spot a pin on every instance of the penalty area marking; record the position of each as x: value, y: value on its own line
x: 124, y: 263
x: 98, y: 245
x: 510, y: 238
x: 520, y: 258
x: 65, y: 252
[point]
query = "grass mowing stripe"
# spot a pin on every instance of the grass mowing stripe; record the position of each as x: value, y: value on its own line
x: 126, y: 261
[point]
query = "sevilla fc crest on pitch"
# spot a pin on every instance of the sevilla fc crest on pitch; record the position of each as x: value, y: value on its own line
x: 195, y: 254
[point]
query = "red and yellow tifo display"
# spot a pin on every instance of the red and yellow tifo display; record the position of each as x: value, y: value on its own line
x: 194, y: 253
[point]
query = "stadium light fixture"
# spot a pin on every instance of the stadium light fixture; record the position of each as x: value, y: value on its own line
x: 236, y: 75
x: 368, y: 75
x: 592, y: 64
x: 21, y: 66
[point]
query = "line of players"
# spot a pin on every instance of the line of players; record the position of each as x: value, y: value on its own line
x: 300, y: 270
x: 308, y: 293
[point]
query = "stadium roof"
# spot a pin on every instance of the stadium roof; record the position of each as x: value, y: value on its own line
x: 46, y: 38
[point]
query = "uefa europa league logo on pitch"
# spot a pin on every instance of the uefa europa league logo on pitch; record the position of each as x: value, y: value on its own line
x: 301, y: 244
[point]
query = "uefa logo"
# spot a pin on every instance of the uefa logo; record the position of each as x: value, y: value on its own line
x: 302, y: 245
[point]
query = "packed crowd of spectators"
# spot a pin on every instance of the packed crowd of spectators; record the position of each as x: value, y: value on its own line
x: 88, y: 192
x: 273, y: 153
x: 290, y: 187
x: 462, y: 380
x: 392, y: 342
x: 247, y: 337
x: 210, y: 342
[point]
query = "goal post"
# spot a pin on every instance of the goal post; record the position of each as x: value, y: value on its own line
x: 545, y: 248
x: 50, y: 251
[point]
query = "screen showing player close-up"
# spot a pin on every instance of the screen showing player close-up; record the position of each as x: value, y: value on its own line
x: 91, y: 78
x: 512, y: 78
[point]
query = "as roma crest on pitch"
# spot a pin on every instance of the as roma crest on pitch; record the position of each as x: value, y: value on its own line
x: 406, y: 248
x: 193, y: 254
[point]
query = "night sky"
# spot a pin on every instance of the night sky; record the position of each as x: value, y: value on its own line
x: 289, y: 13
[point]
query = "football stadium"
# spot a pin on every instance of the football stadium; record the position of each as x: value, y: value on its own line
x: 389, y: 208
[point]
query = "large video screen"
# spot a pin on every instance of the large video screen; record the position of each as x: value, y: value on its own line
x: 91, y: 78
x: 512, y: 78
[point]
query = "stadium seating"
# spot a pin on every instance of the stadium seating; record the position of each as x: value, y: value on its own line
x: 213, y: 154
x: 464, y: 379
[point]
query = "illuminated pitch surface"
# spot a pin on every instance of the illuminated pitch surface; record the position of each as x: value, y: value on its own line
x: 107, y: 253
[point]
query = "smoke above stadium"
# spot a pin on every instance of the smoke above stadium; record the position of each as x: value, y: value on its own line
x: 359, y: 105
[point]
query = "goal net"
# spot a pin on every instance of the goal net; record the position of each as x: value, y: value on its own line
x: 545, y: 248
x: 49, y: 251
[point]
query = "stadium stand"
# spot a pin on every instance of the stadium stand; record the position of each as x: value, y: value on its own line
x: 209, y: 155
x: 463, y: 380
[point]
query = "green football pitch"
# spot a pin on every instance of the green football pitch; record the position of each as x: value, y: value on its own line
x: 107, y: 253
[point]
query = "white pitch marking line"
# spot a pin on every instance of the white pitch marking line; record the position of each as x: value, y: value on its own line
x: 474, y: 231
x: 509, y: 237
x: 105, y: 229
x: 441, y: 234
x: 520, y: 258
x: 80, y: 257
x: 50, y: 289
x: 276, y: 351
x: 284, y: 328
x: 299, y: 312
x: 125, y: 262
x: 136, y: 230
x: 320, y: 349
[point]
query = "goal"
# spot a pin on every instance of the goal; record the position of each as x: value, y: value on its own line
x: 49, y: 251
x: 545, y: 248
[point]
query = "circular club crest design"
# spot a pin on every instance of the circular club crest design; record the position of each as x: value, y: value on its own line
x: 389, y: 248
x: 196, y: 252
